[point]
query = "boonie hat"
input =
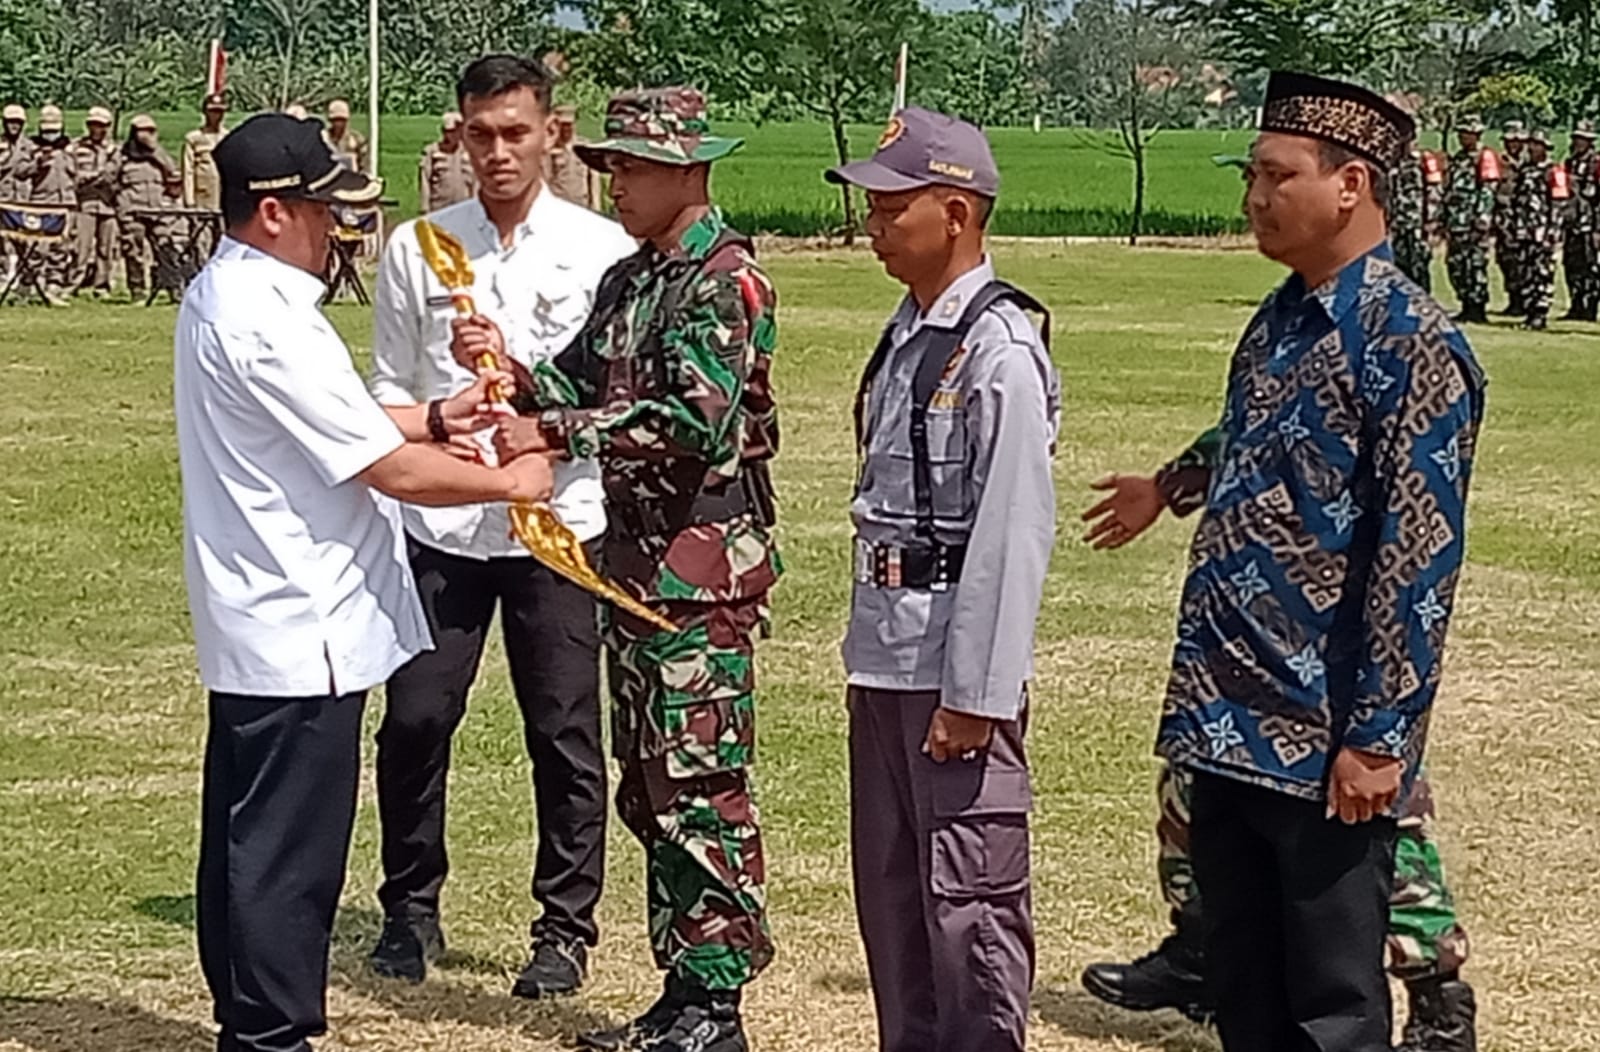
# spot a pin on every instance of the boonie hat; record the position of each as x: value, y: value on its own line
x: 275, y: 155
x: 143, y: 122
x: 51, y: 120
x: 98, y: 115
x: 922, y: 148
x: 1471, y: 124
x: 665, y: 125
x: 452, y: 120
x: 14, y: 112
x: 1584, y: 130
x: 338, y: 110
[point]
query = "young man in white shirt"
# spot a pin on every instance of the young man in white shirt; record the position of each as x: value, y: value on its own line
x: 536, y: 263
x: 298, y: 585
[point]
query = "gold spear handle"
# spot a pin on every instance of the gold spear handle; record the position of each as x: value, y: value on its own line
x: 545, y: 536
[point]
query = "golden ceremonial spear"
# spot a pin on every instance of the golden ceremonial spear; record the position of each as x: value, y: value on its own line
x: 536, y: 526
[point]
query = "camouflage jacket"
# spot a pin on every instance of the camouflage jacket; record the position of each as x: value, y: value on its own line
x: 96, y: 164
x: 1407, y: 219
x: 1585, y: 202
x: 669, y: 385
x: 1535, y: 215
x: 1468, y: 200
x: 54, y: 179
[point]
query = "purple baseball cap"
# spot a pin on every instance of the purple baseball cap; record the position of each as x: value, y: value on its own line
x: 922, y: 148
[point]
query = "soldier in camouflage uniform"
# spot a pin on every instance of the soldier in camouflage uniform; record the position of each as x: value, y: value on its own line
x: 668, y: 384
x: 445, y: 176
x: 1533, y: 232
x: 16, y: 156
x: 349, y: 145
x: 1408, y: 222
x: 95, y: 157
x: 1427, y: 946
x: 147, y: 181
x: 1515, y: 138
x: 53, y: 183
x: 1469, y: 224
x: 1579, y: 253
x: 201, y: 186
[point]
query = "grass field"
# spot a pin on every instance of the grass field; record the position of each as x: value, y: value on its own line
x: 103, y: 717
x: 1056, y: 183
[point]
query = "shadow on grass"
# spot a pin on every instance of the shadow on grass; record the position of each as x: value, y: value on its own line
x: 355, y: 929
x: 1075, y: 1012
x: 73, y: 1024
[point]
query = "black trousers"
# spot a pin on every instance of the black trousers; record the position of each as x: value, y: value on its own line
x: 552, y: 642
x: 278, y: 802
x: 1297, y: 908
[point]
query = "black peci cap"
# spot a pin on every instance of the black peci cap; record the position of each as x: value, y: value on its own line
x: 275, y: 155
x: 1341, y: 113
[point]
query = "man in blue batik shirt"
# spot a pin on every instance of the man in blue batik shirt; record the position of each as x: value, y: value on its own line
x: 1320, y: 586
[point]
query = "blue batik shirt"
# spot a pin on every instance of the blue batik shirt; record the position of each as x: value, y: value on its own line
x: 1324, y: 568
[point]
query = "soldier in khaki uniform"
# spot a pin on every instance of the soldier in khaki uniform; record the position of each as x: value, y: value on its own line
x: 349, y: 146
x: 446, y: 176
x: 201, y: 186
x: 53, y: 183
x: 16, y: 152
x: 95, y: 158
x: 146, y: 178
x: 570, y: 178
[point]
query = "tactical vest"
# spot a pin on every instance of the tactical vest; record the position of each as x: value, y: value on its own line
x: 645, y: 372
x: 934, y: 346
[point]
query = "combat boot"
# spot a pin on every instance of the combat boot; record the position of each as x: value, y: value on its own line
x: 650, y: 1026
x: 1536, y: 323
x: 708, y: 1021
x: 1443, y: 1016
x: 1173, y: 975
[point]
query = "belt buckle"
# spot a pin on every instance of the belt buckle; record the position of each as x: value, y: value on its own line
x: 941, y: 569
x: 891, y: 570
x: 865, y: 564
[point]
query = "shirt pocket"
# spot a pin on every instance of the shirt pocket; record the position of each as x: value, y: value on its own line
x: 890, y: 472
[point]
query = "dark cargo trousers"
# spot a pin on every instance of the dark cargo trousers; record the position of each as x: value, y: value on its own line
x: 943, y: 896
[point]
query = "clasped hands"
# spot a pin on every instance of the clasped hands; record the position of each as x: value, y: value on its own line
x: 474, y: 409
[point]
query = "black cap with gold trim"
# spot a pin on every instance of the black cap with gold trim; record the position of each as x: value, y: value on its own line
x: 1338, y: 112
x: 275, y: 155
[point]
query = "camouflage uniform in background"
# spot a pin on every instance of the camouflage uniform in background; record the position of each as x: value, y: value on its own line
x: 16, y: 158
x: 147, y: 181
x: 1580, y: 254
x: 1533, y: 233
x: 1515, y: 138
x: 1469, y: 202
x: 445, y: 176
x: 1407, y: 223
x: 668, y: 385
x: 96, y: 248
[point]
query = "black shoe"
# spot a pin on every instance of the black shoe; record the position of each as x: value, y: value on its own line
x: 1443, y: 1018
x: 707, y: 1023
x: 653, y: 1024
x: 1170, y: 976
x: 407, y: 946
x: 557, y: 968
x: 1536, y: 323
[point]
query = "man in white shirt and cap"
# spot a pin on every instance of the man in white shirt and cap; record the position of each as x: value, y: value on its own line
x: 536, y: 263
x: 298, y: 584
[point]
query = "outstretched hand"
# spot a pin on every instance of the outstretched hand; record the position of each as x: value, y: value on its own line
x: 1132, y: 506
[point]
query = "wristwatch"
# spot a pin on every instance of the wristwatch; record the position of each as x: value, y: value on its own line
x: 436, y: 429
x: 553, y: 422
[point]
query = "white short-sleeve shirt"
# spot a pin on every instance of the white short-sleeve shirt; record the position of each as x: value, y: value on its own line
x: 539, y: 290
x: 297, y: 572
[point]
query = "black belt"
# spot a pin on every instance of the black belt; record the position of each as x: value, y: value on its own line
x: 932, y: 566
x: 750, y: 494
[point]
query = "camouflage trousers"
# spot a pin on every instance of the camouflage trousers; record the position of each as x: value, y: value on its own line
x: 1467, y: 260
x: 1506, y: 259
x: 683, y: 730
x: 1414, y: 256
x: 1425, y: 936
x: 1535, y: 274
x: 1582, y: 263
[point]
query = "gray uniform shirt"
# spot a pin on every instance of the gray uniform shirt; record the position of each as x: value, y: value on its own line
x: 991, y: 432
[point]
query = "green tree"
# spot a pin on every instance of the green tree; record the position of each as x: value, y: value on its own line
x: 1324, y: 36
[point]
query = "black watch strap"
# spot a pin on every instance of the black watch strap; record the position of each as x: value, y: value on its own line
x: 436, y: 428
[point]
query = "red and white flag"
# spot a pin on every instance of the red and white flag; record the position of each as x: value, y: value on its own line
x: 217, y: 70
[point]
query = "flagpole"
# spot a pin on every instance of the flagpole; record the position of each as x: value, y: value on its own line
x: 372, y: 85
x: 900, y: 70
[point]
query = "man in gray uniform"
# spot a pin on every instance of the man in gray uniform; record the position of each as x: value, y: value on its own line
x: 955, y: 517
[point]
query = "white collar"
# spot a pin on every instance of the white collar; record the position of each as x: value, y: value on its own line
x: 537, y: 220
x: 951, y: 303
x: 299, y: 288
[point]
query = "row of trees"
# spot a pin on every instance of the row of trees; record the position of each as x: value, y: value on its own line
x: 1131, y: 66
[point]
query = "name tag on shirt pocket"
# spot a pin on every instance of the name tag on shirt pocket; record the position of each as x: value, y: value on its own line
x: 440, y: 302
